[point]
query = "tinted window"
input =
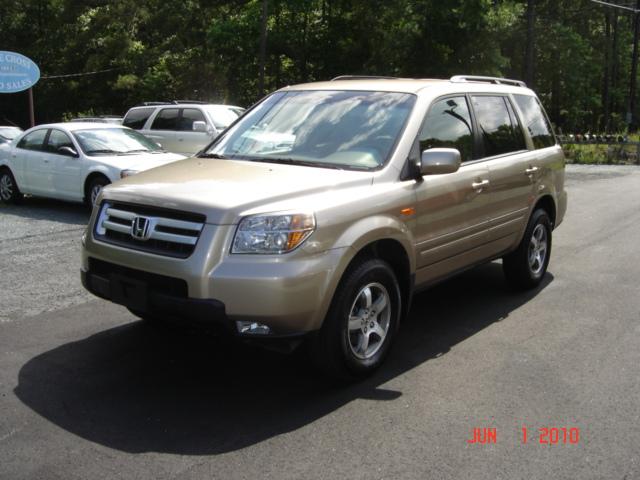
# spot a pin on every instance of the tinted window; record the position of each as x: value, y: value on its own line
x: 448, y: 124
x: 190, y: 115
x: 58, y: 139
x: 34, y: 140
x: 499, y: 128
x: 167, y: 119
x: 535, y: 121
x: 137, y: 118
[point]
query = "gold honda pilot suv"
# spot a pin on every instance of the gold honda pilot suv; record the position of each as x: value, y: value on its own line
x: 321, y: 210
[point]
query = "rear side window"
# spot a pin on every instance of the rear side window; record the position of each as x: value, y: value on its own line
x: 34, y: 140
x: 190, y: 115
x: 58, y: 139
x: 448, y: 125
x: 137, y: 118
x: 535, y: 121
x: 167, y: 119
x: 499, y: 129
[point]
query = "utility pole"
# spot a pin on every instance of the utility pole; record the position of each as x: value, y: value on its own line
x: 263, y: 47
x: 530, y: 49
x: 631, y: 124
x: 634, y: 71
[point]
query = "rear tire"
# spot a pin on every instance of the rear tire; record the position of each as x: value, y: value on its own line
x: 525, y: 267
x: 9, y: 191
x: 361, y: 323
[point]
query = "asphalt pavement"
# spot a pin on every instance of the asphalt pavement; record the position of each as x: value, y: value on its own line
x: 87, y: 391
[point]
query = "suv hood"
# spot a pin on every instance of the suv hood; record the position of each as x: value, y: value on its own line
x: 224, y: 189
x: 139, y: 161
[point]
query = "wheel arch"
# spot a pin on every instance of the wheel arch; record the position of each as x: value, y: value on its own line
x: 547, y: 203
x: 90, y: 177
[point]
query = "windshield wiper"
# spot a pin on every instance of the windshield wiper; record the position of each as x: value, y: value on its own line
x: 106, y: 150
x: 212, y: 155
x: 138, y: 150
x: 302, y: 163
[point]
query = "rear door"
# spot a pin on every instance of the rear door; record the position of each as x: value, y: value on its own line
x: 452, y: 209
x: 164, y: 127
x: 505, y: 152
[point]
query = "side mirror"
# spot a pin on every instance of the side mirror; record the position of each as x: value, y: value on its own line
x: 199, y: 126
x: 436, y: 161
x: 68, y: 151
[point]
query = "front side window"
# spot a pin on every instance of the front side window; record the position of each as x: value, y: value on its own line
x: 167, y: 119
x: 58, y: 139
x: 190, y: 115
x: 137, y: 118
x: 33, y: 140
x: 535, y: 121
x: 113, y: 141
x: 321, y: 128
x: 498, y: 126
x: 448, y: 125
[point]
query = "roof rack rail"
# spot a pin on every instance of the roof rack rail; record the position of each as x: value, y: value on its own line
x: 152, y: 104
x: 197, y: 102
x: 496, y: 80
x: 362, y: 77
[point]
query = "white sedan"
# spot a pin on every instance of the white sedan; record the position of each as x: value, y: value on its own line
x: 73, y: 161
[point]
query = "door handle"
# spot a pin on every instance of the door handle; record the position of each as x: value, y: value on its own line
x: 480, y: 185
x: 531, y: 170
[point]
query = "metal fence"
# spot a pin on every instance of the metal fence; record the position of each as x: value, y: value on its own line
x: 600, y: 150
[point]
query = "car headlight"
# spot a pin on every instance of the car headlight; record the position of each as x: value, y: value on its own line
x: 127, y: 173
x: 273, y: 233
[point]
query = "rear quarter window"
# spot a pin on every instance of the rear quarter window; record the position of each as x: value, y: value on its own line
x: 137, y: 118
x: 535, y: 121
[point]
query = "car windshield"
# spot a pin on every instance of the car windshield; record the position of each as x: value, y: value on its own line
x: 9, y: 133
x: 106, y: 141
x: 221, y: 115
x: 331, y: 129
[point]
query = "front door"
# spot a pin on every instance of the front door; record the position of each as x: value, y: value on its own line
x: 452, y: 209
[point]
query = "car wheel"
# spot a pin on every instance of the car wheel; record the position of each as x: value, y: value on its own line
x: 361, y: 323
x: 9, y: 191
x: 147, y: 317
x: 93, y: 190
x: 525, y: 267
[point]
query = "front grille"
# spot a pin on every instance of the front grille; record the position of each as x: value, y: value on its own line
x: 175, y: 287
x: 154, y: 230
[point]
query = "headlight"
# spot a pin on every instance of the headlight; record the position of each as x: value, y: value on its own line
x: 127, y: 173
x: 273, y: 233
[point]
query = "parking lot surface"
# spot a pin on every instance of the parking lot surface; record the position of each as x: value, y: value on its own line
x: 89, y: 391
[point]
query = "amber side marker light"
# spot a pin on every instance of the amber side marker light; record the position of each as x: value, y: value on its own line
x: 408, y: 211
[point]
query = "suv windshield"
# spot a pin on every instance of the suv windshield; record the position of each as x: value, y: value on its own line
x: 333, y: 129
x: 109, y: 141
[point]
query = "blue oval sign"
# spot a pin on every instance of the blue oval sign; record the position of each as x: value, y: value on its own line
x: 17, y: 72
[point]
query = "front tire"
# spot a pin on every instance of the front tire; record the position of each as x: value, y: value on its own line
x: 361, y: 323
x: 525, y: 267
x: 93, y: 190
x: 9, y: 191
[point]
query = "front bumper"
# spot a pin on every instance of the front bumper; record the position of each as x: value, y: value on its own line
x: 134, y: 291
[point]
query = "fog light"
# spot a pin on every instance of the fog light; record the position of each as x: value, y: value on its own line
x: 252, y: 328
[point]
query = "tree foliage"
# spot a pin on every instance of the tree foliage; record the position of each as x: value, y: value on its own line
x: 146, y: 50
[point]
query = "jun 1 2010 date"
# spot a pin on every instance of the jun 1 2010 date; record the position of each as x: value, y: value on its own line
x: 542, y: 436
